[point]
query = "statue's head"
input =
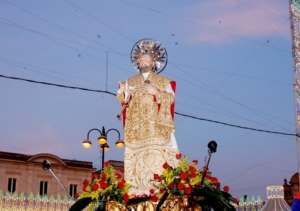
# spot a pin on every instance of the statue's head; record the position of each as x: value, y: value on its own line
x: 146, y: 63
x: 148, y: 54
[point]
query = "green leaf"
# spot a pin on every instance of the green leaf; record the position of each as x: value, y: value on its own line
x: 80, y: 204
x: 162, y: 200
x: 213, y: 198
x: 137, y: 200
x: 101, y: 207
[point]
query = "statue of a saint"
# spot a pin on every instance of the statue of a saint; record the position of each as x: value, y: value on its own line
x: 148, y: 101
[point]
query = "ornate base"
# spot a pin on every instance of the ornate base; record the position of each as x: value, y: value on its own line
x: 172, y: 203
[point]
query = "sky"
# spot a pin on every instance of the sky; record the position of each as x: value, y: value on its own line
x: 231, y: 59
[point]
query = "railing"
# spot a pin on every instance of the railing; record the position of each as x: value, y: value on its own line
x: 250, y: 205
x: 13, y: 202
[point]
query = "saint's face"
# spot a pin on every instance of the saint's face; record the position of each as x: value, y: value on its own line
x: 146, y: 63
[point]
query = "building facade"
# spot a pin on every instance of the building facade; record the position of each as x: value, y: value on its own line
x: 24, y: 173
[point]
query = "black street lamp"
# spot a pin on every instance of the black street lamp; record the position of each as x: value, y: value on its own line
x: 102, y: 140
x: 212, y: 148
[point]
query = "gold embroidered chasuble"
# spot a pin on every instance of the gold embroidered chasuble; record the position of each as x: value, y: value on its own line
x: 147, y: 129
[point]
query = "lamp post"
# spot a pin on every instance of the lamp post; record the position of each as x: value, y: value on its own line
x: 102, y: 140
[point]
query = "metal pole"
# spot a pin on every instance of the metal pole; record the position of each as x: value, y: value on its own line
x: 102, y: 147
x: 205, y: 171
x: 295, y: 31
x: 60, y: 183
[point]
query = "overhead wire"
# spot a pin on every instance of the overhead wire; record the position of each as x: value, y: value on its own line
x: 111, y: 52
x: 262, y: 9
x: 202, y: 25
x: 34, y: 15
x: 239, y: 67
x: 97, y: 19
x: 214, y: 91
x: 39, y: 72
x: 113, y: 94
x: 63, y: 43
x: 107, y: 92
x: 212, y: 105
x: 46, y: 36
x: 77, y: 50
x: 26, y: 66
x: 226, y: 73
x: 62, y: 28
x: 55, y: 37
x: 267, y: 161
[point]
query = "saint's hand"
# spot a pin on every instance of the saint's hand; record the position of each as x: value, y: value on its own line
x: 122, y: 87
x: 150, y: 89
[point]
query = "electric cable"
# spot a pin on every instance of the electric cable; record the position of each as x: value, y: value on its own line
x: 181, y: 114
x: 202, y: 25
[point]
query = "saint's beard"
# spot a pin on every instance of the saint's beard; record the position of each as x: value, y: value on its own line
x: 145, y: 69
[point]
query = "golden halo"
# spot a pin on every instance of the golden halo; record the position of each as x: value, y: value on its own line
x: 152, y: 47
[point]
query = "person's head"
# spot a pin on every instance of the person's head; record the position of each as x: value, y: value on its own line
x: 146, y: 63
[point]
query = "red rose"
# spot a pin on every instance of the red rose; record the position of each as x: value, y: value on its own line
x: 103, y: 176
x: 154, y: 198
x: 103, y: 184
x: 214, y: 180
x: 124, y: 181
x: 151, y: 191
x: 195, y: 161
x: 171, y: 185
x: 192, y: 168
x: 188, y: 190
x: 193, y: 174
x: 106, y: 164
x: 235, y: 200
x: 126, y: 197
x: 178, y: 156
x: 162, y: 190
x: 95, y: 187
x: 85, y: 182
x: 118, y: 175
x: 122, y: 170
x: 226, y: 188
x: 156, y: 176
x: 205, y: 168
x: 180, y: 186
x: 95, y: 176
x: 183, y: 176
x: 166, y: 165
x: 121, y: 185
x: 76, y: 195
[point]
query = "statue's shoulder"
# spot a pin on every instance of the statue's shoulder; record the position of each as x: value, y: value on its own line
x: 164, y: 78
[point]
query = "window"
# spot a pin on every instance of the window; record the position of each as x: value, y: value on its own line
x: 43, y: 187
x: 12, y: 185
x: 73, y: 189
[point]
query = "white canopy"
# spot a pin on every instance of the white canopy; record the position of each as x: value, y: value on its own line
x: 275, y: 200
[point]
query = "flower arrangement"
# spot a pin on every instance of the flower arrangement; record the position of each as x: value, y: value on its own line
x: 180, y: 180
x: 296, y: 202
x: 187, y: 180
x: 106, y: 186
